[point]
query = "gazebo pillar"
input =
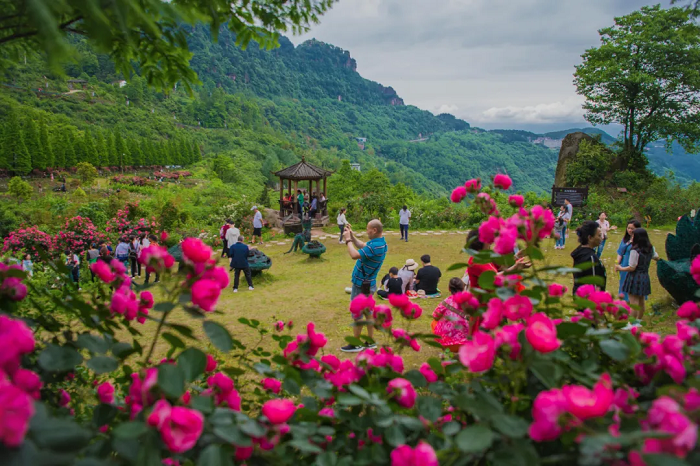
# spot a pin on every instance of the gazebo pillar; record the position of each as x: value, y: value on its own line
x: 281, y: 196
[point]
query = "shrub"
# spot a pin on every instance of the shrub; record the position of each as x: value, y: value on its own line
x: 19, y: 188
x: 29, y: 240
x: 86, y: 173
x: 540, y: 378
x: 77, y: 235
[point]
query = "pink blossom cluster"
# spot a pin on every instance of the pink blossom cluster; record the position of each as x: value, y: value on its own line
x: 670, y: 353
x: 11, y: 287
x: 557, y: 410
x: 77, y: 235
x: 179, y: 427
x: 528, y: 225
x: 403, y: 338
x: 385, y: 357
x: 221, y: 387
x: 402, y: 392
x: 140, y: 392
x: 156, y: 259
x: 29, y: 240
x: 422, y: 455
x: 604, y: 303
x: 124, y: 301
x: 668, y: 416
x: 310, y: 344
x: 382, y: 315
x: 123, y: 224
x: 695, y: 269
x: 207, y: 279
x: 18, y: 387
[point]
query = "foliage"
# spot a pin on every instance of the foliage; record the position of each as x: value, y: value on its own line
x: 87, y: 173
x: 147, y: 33
x: 542, y: 378
x: 28, y: 240
x: 591, y: 165
x: 19, y: 188
x: 77, y: 235
x: 642, y: 77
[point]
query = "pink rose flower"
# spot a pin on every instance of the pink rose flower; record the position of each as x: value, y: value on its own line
x: 428, y: 373
x: 28, y: 381
x: 16, y: 409
x: 16, y: 339
x: 541, y: 333
x: 412, y: 312
x: 403, y: 391
x: 508, y: 335
x: 382, y: 314
x: 105, y: 393
x: 473, y: 185
x: 272, y: 385
x: 400, y: 301
x: 459, y: 193
x: 279, y: 325
x: 160, y: 414
x: 63, y: 398
x: 182, y: 428
x: 211, y: 364
x: 14, y: 288
x: 517, y: 307
x: 547, y: 408
x: 195, y: 251
x: 489, y: 229
x: 493, y: 315
x: 243, y: 453
x: 422, y: 455
x: 359, y: 304
x: 502, y: 181
x: 516, y: 200
x: 219, y: 275
x: 556, y: 290
x: 205, y: 294
x: 689, y: 310
x: 478, y: 353
x: 584, y: 403
x: 505, y: 243
x: 278, y: 411
x: 695, y: 269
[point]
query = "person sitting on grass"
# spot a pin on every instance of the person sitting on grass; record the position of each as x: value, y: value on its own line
x: 369, y: 259
x: 428, y: 277
x: 392, y: 285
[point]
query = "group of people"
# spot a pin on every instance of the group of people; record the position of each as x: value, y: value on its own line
x: 450, y: 323
x: 310, y: 204
x: 404, y: 219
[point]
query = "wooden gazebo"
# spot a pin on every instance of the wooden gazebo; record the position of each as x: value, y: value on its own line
x: 295, y: 176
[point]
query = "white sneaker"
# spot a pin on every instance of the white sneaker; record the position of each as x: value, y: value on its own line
x: 251, y: 288
x: 235, y: 290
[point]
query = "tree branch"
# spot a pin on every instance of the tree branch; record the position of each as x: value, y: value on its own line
x: 24, y: 35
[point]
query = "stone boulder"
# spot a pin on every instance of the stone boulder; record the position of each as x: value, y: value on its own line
x: 569, y: 149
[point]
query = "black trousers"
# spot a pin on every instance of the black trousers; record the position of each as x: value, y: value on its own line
x: 237, y: 276
x: 225, y: 251
x: 148, y: 277
x: 135, y: 266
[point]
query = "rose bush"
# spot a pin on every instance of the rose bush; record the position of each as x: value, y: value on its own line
x: 544, y: 378
x: 30, y: 240
x: 77, y: 235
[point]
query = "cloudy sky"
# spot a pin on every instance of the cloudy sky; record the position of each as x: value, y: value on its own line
x: 495, y: 63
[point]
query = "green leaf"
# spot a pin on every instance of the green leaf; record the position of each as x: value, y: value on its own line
x: 348, y: 400
x: 164, y: 307
x: 458, y: 266
x: 171, y: 380
x: 214, y: 455
x: 56, y: 358
x: 183, y: 330
x: 591, y: 280
x: 510, y: 426
x: 232, y: 434
x: 435, y: 365
x: 103, y: 414
x: 615, y: 349
x: 122, y: 350
x: 416, y: 378
x: 304, y: 446
x: 451, y: 428
x: 174, y: 341
x: 103, y: 364
x: 192, y: 362
x: 570, y: 329
x: 429, y: 407
x: 218, y: 336
x: 149, y: 454
x: 394, y: 435
x: 663, y: 460
x: 130, y: 430
x: 59, y: 434
x: 92, y: 343
x: 486, y: 280
x: 547, y: 372
x: 205, y: 404
x: 353, y: 341
x: 474, y: 439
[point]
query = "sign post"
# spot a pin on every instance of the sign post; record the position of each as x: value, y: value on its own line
x: 577, y: 196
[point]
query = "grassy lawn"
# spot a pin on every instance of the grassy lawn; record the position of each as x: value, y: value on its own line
x: 301, y: 289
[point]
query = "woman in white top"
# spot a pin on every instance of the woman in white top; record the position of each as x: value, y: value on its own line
x: 604, y: 228
x: 342, y: 221
x: 407, y: 274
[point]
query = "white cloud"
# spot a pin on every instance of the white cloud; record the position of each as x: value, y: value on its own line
x: 569, y: 110
x: 445, y: 108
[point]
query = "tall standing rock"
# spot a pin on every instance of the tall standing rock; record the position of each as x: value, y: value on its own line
x: 568, y: 151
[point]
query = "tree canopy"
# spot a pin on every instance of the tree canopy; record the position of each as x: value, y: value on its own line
x: 645, y: 75
x: 145, y: 33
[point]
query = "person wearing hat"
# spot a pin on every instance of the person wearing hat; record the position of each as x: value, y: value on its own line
x: 257, y: 225
x: 407, y: 274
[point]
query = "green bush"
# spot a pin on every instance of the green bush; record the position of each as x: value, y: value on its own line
x: 19, y: 188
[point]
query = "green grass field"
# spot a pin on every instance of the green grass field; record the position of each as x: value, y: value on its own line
x: 301, y: 289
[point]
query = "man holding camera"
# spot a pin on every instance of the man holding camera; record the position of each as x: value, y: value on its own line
x: 369, y: 259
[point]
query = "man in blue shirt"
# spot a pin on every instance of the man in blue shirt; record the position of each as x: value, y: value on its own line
x: 369, y: 259
x: 257, y: 225
x: 239, y: 263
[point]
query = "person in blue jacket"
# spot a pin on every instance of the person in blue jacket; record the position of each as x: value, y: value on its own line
x: 239, y: 263
x: 623, y: 253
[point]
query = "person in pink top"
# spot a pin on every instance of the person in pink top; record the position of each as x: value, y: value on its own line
x: 604, y: 228
x: 450, y: 321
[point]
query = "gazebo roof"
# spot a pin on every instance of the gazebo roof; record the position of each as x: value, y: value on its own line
x: 303, y: 171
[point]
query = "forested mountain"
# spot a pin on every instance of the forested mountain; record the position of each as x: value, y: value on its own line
x: 259, y: 109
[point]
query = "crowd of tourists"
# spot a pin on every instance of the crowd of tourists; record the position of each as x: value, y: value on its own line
x: 450, y: 324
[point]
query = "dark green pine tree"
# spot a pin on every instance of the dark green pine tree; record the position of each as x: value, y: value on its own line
x: 17, y: 156
x: 183, y: 153
x: 195, y: 156
x: 81, y: 151
x: 136, y: 154
x: 173, y: 152
x: 101, y: 149
x: 92, y: 155
x: 46, y: 145
x: 163, y: 157
x: 123, y: 154
x: 4, y: 164
x: 112, y: 150
x: 59, y: 150
x: 147, y: 151
x: 71, y: 157
x: 33, y: 142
